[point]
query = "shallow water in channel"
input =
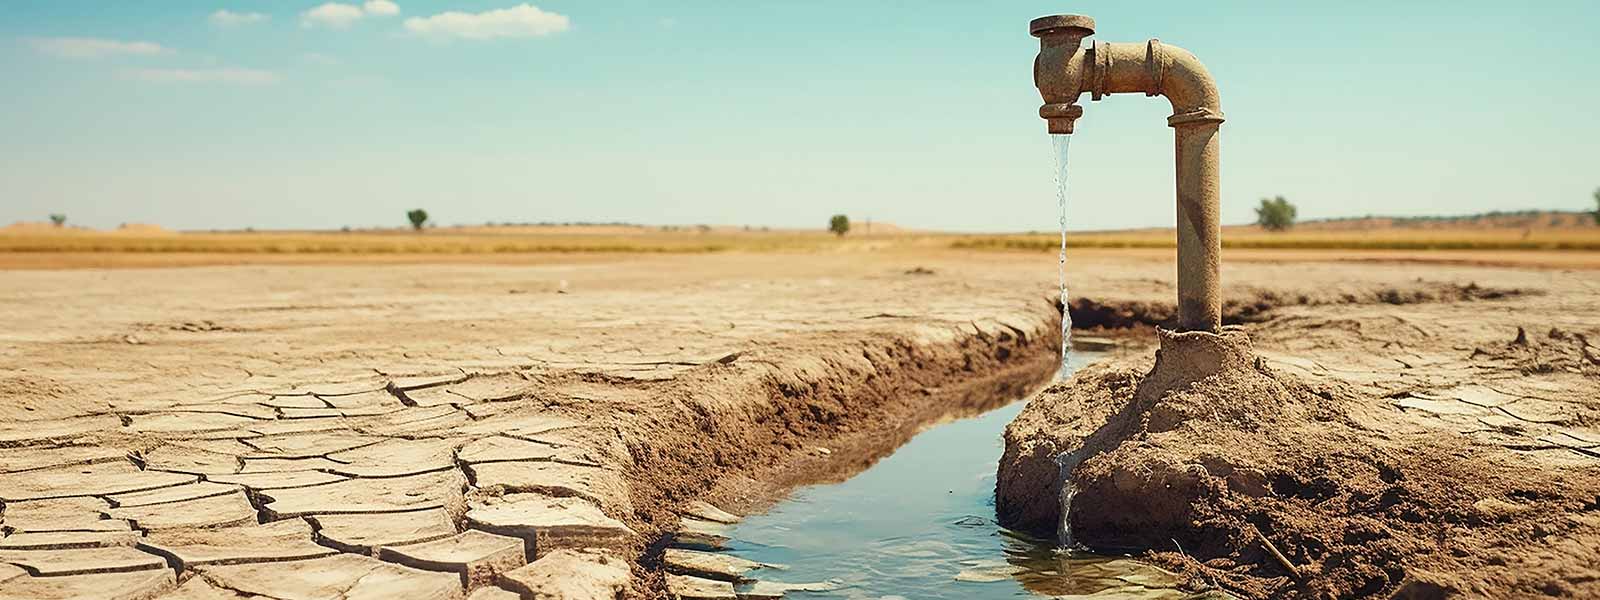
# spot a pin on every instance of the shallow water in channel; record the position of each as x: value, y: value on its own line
x: 921, y: 524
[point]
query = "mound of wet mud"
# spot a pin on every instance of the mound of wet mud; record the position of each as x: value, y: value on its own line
x: 1255, y: 305
x: 1262, y: 484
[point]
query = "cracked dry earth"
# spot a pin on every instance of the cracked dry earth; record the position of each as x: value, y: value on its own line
x: 440, y: 432
x: 1489, y: 412
x: 534, y: 431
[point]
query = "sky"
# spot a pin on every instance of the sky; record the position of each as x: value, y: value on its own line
x: 301, y: 114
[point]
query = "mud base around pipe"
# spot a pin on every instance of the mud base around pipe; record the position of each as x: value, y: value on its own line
x: 1253, y: 479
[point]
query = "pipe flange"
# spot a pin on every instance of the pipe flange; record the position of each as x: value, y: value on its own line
x: 1198, y: 115
x: 1061, y: 110
x: 1155, y: 70
x: 1051, y: 24
x: 1061, y: 117
x: 1100, y: 73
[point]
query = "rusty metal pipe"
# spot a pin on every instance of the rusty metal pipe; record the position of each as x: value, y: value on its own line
x: 1064, y: 70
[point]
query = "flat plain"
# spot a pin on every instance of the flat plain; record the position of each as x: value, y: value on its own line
x: 222, y: 424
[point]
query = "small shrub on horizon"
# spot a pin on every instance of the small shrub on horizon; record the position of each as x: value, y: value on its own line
x: 418, y: 218
x: 1276, y: 214
x: 839, y: 225
x: 1596, y: 212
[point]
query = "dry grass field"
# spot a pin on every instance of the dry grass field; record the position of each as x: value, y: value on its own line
x: 475, y: 240
x: 1538, y: 231
x: 1551, y: 239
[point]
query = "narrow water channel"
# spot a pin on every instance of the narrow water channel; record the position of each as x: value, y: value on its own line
x: 921, y: 524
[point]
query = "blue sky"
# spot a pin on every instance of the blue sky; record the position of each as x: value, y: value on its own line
x: 291, y: 114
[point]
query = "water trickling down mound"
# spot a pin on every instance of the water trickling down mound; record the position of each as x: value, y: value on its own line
x: 1083, y: 427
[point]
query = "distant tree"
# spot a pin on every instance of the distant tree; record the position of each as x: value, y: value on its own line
x: 839, y: 225
x: 1597, y: 206
x: 60, y: 219
x: 1276, y: 214
x: 418, y: 218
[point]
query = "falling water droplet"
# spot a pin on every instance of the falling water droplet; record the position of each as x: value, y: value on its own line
x: 1061, y: 142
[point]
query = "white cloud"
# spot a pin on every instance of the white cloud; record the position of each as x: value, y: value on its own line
x: 227, y: 75
x: 228, y: 18
x: 75, y: 47
x: 382, y: 8
x: 523, y: 20
x: 339, y: 16
x: 332, y: 14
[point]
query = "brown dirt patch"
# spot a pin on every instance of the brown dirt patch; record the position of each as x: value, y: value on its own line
x: 1252, y: 305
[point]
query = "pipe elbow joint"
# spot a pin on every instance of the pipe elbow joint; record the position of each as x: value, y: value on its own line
x: 1186, y: 83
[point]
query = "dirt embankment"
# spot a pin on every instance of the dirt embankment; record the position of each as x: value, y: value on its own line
x: 1252, y: 305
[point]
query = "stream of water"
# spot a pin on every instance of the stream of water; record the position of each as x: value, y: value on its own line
x: 1065, y: 462
x: 921, y: 524
x: 1062, y: 142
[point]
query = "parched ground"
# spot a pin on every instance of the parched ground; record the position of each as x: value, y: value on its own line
x: 419, y: 431
x: 328, y: 431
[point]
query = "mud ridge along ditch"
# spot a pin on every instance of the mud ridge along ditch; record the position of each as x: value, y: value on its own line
x: 825, y: 417
x: 1254, y: 305
x: 920, y: 523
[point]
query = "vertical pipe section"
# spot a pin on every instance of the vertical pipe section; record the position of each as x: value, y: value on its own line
x: 1199, y: 225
